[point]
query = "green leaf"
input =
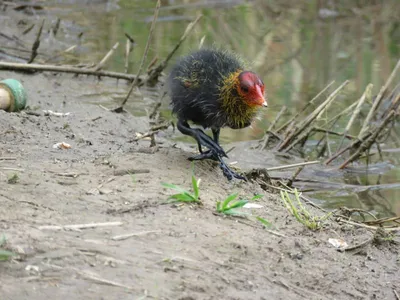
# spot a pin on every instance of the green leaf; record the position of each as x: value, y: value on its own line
x: 175, y: 187
x: 195, y: 187
x: 218, y: 206
x: 2, y: 240
x: 182, y: 198
x: 234, y: 212
x: 256, y: 197
x: 4, y: 254
x: 229, y: 199
x: 239, y: 203
x: 264, y: 222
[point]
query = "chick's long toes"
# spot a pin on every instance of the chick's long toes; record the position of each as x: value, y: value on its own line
x: 205, y: 155
x: 228, y: 173
x: 208, y: 142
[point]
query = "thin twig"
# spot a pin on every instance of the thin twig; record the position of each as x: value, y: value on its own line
x: 305, y: 107
x: 315, y: 114
x: 153, y: 130
x: 12, y: 169
x: 130, y: 42
x: 319, y: 129
x: 293, y: 165
x: 101, y: 64
x: 363, y: 244
x: 121, y: 172
x: 293, y: 178
x: 378, y: 98
x: 366, y: 95
x: 146, y: 50
x: 80, y: 226
x: 367, y: 226
x: 397, y: 295
x: 366, y: 144
x: 66, y: 69
x: 267, y: 136
x: 36, y: 44
x: 129, y: 235
x: 155, y: 73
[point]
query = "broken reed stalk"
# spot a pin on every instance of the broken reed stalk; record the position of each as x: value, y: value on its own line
x: 69, y: 49
x: 66, y: 69
x: 352, y: 145
x: 268, y: 135
x: 293, y: 165
x: 101, y: 64
x: 154, y: 73
x: 127, y: 51
x: 305, y: 107
x: 367, y: 143
x: 319, y: 129
x: 135, y: 83
x: 293, y: 178
x: 36, y: 44
x: 342, y: 113
x: 378, y: 98
x: 304, y: 124
x: 360, y: 102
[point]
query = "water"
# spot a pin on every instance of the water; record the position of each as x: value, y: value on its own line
x: 297, y: 47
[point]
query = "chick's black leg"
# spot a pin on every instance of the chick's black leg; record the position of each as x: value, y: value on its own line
x: 202, y: 140
x: 215, y: 132
x: 208, y: 154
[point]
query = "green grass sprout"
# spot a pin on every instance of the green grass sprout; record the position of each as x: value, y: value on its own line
x: 301, y: 213
x: 184, y: 195
x: 4, y: 254
x: 266, y: 223
x: 228, y: 207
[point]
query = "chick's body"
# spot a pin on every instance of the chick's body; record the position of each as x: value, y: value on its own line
x: 211, y: 89
x: 202, y: 90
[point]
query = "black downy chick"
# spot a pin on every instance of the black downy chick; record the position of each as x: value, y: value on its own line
x: 211, y: 88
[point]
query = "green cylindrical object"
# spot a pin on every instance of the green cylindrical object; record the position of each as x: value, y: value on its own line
x: 17, y: 93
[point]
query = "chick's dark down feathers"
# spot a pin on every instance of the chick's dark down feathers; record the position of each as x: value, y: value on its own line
x: 195, y: 87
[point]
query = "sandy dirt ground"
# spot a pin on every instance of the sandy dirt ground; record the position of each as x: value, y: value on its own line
x: 177, y: 252
x: 174, y: 251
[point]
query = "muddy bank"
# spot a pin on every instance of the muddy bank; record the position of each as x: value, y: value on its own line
x: 176, y: 251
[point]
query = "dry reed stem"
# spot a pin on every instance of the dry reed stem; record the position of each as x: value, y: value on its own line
x: 127, y: 52
x: 267, y: 136
x: 360, y: 102
x: 314, y: 162
x: 304, y: 124
x: 101, y: 64
x: 305, y: 107
x: 135, y: 83
x: 154, y: 73
x: 352, y: 145
x: 66, y: 69
x: 367, y: 226
x: 36, y: 44
x: 80, y: 226
x: 367, y: 143
x: 378, y: 98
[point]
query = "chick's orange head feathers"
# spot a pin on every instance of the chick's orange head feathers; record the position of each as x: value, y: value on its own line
x: 251, y: 88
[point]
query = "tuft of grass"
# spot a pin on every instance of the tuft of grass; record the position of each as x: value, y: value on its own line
x: 266, y: 223
x: 229, y: 207
x: 184, y: 195
x: 301, y: 213
x: 256, y: 197
x: 13, y: 179
x: 4, y: 254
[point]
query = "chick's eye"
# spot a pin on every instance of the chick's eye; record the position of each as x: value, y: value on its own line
x: 245, y: 89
